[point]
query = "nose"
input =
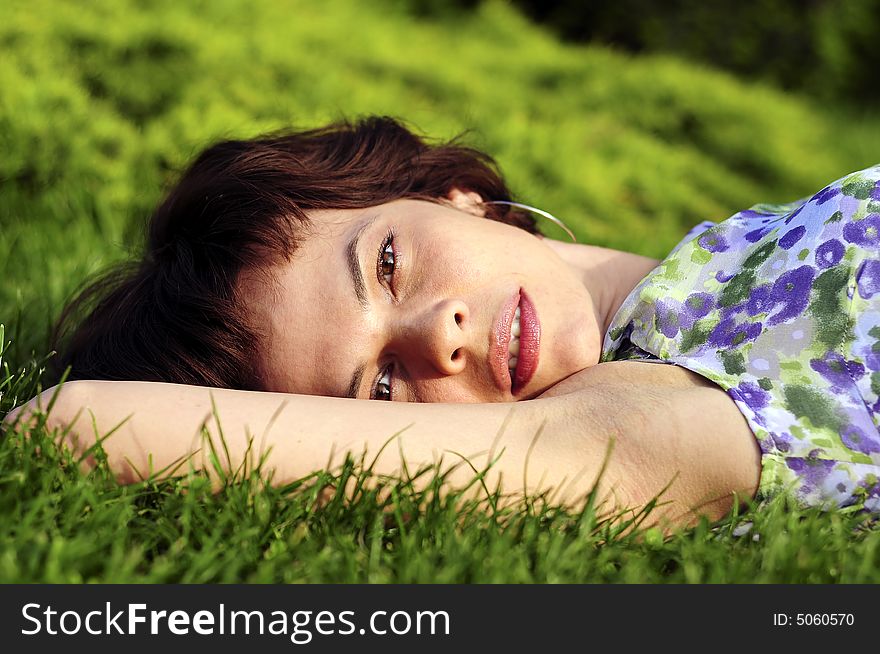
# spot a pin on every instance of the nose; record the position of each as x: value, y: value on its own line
x: 436, y: 335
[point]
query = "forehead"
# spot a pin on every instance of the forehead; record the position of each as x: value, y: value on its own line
x: 306, y: 310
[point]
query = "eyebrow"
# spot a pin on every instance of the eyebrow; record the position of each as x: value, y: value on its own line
x: 355, y: 382
x: 360, y: 290
x: 354, y: 264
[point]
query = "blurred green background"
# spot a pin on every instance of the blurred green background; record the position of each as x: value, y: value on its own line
x: 629, y: 121
x: 826, y: 48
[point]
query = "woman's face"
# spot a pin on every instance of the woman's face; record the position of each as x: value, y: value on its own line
x: 414, y: 301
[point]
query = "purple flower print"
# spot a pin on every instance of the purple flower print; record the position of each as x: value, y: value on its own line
x: 759, y: 300
x: 791, y: 292
x: 671, y: 316
x: 723, y: 277
x: 729, y: 333
x: 794, y: 214
x: 865, y: 232
x: 666, y: 317
x: 782, y: 441
x: 791, y: 237
x: 856, y: 439
x: 868, y: 278
x: 869, y: 490
x: 826, y: 194
x: 866, y: 352
x: 829, y: 253
x: 712, y: 241
x: 757, y: 234
x: 698, y: 305
x: 753, y: 395
x: 813, y: 471
x: 751, y: 213
x: 875, y: 192
x: 837, y: 370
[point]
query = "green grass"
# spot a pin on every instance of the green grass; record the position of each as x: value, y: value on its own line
x: 61, y: 526
x: 104, y: 102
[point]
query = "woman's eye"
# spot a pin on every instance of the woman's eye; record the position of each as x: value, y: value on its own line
x: 383, y: 386
x: 386, y: 259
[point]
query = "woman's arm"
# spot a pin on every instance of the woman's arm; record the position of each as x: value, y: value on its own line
x: 660, y: 430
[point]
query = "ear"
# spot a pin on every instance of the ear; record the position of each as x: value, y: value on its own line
x: 467, y: 201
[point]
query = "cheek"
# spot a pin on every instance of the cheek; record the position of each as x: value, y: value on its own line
x: 450, y: 256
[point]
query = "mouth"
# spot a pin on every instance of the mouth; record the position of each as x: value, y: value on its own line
x: 516, y: 344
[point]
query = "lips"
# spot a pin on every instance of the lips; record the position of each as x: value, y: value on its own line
x: 529, y: 344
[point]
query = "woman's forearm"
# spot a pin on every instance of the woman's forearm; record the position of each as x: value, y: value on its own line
x: 642, y: 427
x: 160, y: 429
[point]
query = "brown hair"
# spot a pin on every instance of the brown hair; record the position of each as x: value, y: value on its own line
x: 175, y: 315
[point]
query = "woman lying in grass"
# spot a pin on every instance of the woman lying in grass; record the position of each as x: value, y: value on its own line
x: 286, y: 280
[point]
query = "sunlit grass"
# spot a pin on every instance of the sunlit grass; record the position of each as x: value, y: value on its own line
x: 61, y: 525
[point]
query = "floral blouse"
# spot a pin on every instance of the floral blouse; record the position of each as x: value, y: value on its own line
x: 780, y: 306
